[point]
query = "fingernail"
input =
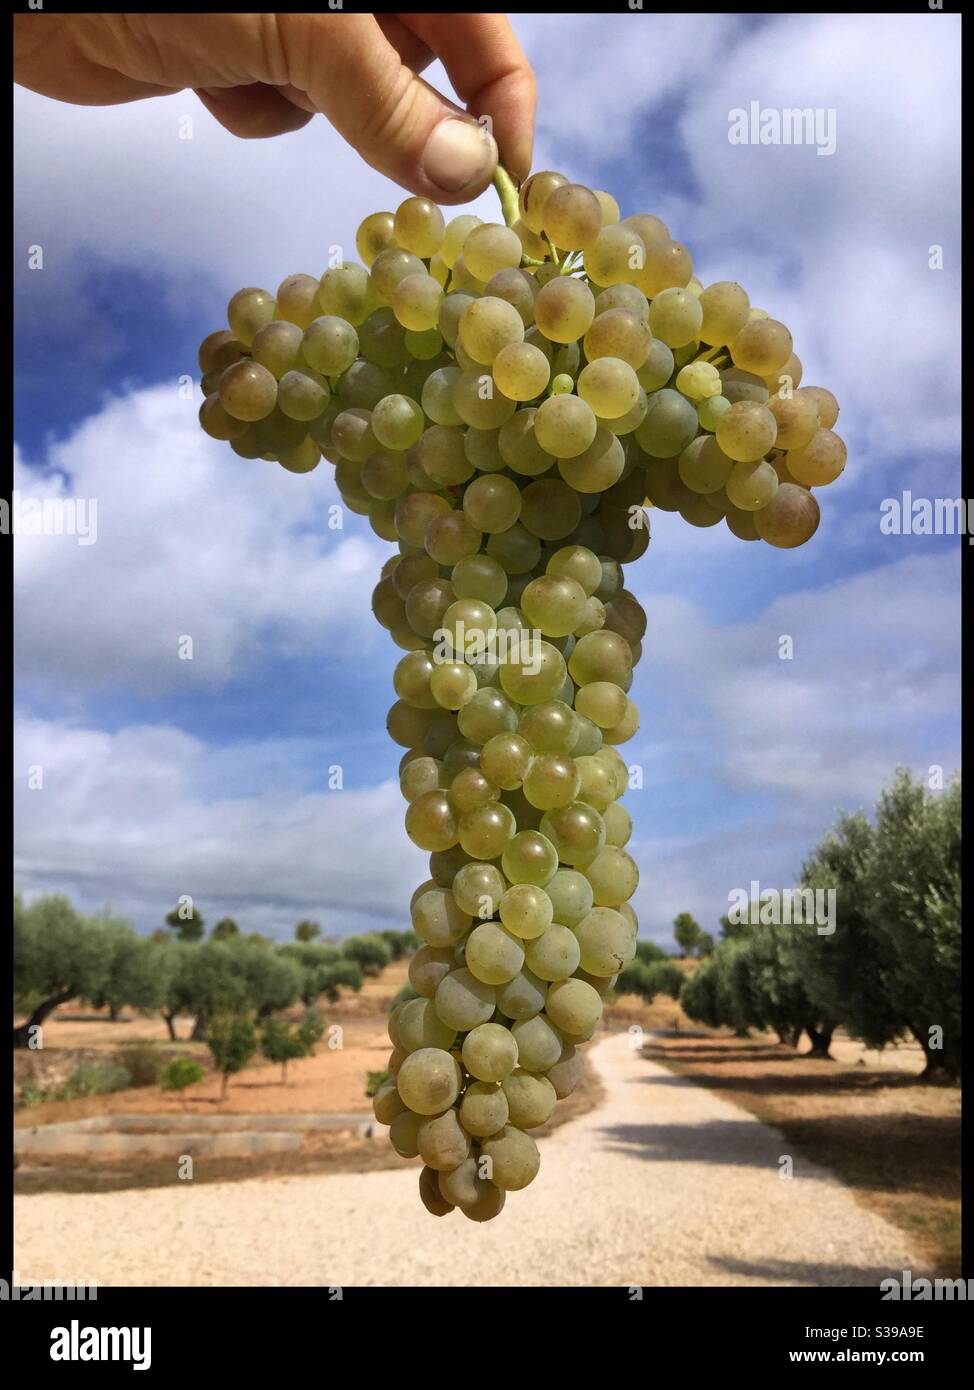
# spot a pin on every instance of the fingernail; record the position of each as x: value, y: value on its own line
x: 458, y: 153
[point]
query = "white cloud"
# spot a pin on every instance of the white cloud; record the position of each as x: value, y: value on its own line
x: 141, y: 816
x: 191, y: 540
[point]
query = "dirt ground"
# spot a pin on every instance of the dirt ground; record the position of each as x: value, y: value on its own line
x: 892, y: 1138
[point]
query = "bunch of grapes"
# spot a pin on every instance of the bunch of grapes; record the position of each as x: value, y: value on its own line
x: 503, y: 402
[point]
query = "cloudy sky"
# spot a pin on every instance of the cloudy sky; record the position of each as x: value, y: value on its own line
x: 210, y: 776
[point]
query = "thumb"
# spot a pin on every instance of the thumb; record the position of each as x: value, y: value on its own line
x: 351, y: 73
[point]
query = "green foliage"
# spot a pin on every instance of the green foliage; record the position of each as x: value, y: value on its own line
x: 180, y: 1073
x: 226, y: 927
x: 686, y: 931
x: 730, y: 931
x: 400, y: 943
x: 132, y: 976
x: 373, y: 1080
x: 649, y: 977
x: 58, y: 955
x: 186, y: 923
x: 311, y: 1029
x: 88, y: 1079
x: 324, y: 970
x: 370, y: 952
x: 648, y: 952
x: 232, y: 1040
x: 307, y: 931
x: 142, y: 1062
x: 402, y: 996
x: 705, y: 944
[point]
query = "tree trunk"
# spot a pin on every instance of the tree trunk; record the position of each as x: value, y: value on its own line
x: 223, y: 1088
x: 23, y: 1034
x: 794, y: 1036
x: 943, y: 1067
x: 113, y: 1013
x: 742, y: 1033
x: 199, y: 1029
x: 170, y: 1024
x: 821, y: 1042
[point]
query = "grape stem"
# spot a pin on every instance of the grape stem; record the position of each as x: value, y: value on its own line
x: 507, y: 193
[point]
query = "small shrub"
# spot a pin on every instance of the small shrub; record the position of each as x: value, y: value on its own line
x: 180, y: 1073
x: 94, y: 1079
x: 142, y: 1062
x: 373, y: 1080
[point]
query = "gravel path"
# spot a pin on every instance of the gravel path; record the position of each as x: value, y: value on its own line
x: 664, y: 1183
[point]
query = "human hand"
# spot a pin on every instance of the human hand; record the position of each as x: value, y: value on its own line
x: 266, y: 74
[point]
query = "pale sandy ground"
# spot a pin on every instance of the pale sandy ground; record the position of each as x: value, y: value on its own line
x: 663, y: 1184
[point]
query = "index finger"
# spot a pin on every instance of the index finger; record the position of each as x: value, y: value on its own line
x: 490, y: 74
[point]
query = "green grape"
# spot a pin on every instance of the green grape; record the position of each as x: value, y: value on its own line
x: 387, y: 1103
x: 382, y: 340
x: 564, y: 309
x: 411, y: 680
x: 221, y: 349
x: 519, y: 448
x: 572, y: 217
x: 450, y: 536
x: 606, y: 943
x: 432, y: 823
x: 481, y: 448
x: 330, y: 345
x: 277, y: 347
x: 698, y: 381
x: 521, y: 371
x: 618, y: 333
x: 487, y: 326
x: 219, y: 424
x: 797, y: 420
x: 462, y: 1001
x: 445, y: 865
x: 573, y: 1006
x: 550, y: 726
x: 657, y: 368
x: 489, y: 1051
x: 762, y: 347
x: 571, y: 894
x: 363, y: 385
x: 628, y: 725
x: 710, y: 411
x: 493, y: 504
x: 518, y: 288
x: 484, y: 833
x: 531, y: 1099
x: 302, y: 458
x: 553, y: 955
x: 725, y: 307
x: 419, y: 1026
x: 419, y: 227
x: 521, y: 998
x: 597, y: 782
x: 479, y: 889
x: 579, y: 563
x: 536, y: 676
x: 550, y: 509
x: 633, y: 418
x: 484, y: 1109
x: 391, y: 266
x: 469, y: 623
x: 410, y: 571
x: 494, y: 956
x: 453, y: 685
x: 534, y: 194
x: 515, y: 549
x: 430, y: 1194
x: 414, y: 512
x: 375, y: 234
x: 529, y: 857
x: 442, y: 1142
x: 565, y: 426
x: 539, y: 1043
x: 666, y: 265
x: 669, y: 425
x: 703, y: 465
x: 490, y: 248
x: 464, y: 281
x: 302, y: 394
x: 746, y: 432
x: 614, y: 877
x: 424, y: 344
x: 404, y: 1133
x: 567, y: 1072
x: 456, y: 233
x: 514, y: 1156
x: 479, y: 577
x: 554, y: 604
x: 562, y: 385
x: 477, y: 1197
x: 576, y: 831
x: 442, y: 456
x: 738, y: 385
x: 615, y: 253
x: 828, y: 406
x: 650, y: 228
x: 818, y: 462
x: 791, y: 517
x: 416, y: 302
x: 248, y: 391
x: 397, y: 422
x: 248, y: 311
x: 383, y: 474
x: 675, y: 316
x: 602, y: 702
x: 601, y: 656
x: 505, y: 759
x: 609, y: 386
x: 428, y: 966
x: 429, y: 1081
x: 477, y: 403
x: 421, y: 775
x: 531, y: 244
x: 526, y: 911
x: 621, y: 297
x: 346, y: 292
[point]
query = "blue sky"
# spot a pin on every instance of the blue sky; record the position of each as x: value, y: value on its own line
x: 164, y: 776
